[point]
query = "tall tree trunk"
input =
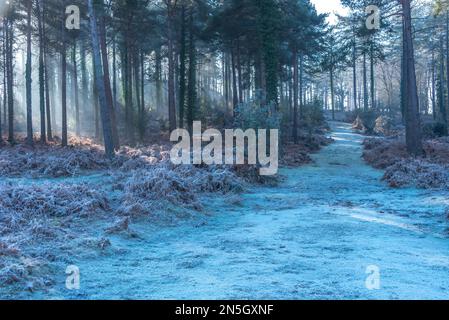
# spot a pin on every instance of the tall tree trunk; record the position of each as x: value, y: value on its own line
x: 127, y: 81
x: 301, y: 87
x: 331, y: 74
x: 114, y: 74
x: 104, y: 109
x: 268, y: 9
x: 138, y: 94
x: 295, y: 96
x: 10, y: 76
x: 3, y: 100
x: 96, y: 109
x: 75, y: 90
x: 158, y: 71
x: 239, y: 72
x: 48, y: 112
x: 354, y: 72
x: 84, y: 80
x: 5, y: 76
x: 225, y: 79
x: 413, y: 125
x: 365, y: 84
x: 28, y: 76
x: 142, y: 92
x: 182, y: 69
x: 127, y: 95
x: 64, y: 96
x: 43, y: 136
x: 434, y: 109
x: 171, y: 66
x: 107, y: 81
x: 191, y: 93
x: 64, y: 85
x: 445, y: 120
x: 441, y: 89
x: 55, y: 91
x: 373, y: 89
x: 235, y: 98
x: 131, y: 104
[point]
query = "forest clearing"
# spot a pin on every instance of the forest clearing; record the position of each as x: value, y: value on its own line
x: 239, y: 149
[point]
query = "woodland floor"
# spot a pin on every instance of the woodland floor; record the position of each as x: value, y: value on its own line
x: 310, y: 237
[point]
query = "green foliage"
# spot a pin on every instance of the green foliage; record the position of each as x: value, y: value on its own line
x: 253, y: 115
x: 269, y: 23
x: 313, y: 114
x: 434, y: 130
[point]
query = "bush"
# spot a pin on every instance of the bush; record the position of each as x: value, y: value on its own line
x: 254, y: 115
x: 51, y: 161
x: 382, y: 153
x: 416, y: 172
x: 434, y: 130
x: 313, y: 115
x: 36, y: 214
x: 153, y: 188
x: 430, y: 172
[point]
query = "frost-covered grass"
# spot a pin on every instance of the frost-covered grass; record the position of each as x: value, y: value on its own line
x: 49, y: 161
x: 52, y: 197
x: 36, y: 214
x: 83, y: 155
x: 146, y: 191
x: 429, y: 172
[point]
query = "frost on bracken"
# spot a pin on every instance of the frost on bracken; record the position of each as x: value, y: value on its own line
x: 32, y: 214
x: 54, y: 161
x: 51, y: 161
x: 37, y: 214
x: 146, y: 191
x: 428, y: 172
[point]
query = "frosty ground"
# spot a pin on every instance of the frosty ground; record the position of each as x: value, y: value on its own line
x: 311, y: 237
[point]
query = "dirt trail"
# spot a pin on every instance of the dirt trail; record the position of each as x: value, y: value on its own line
x: 312, y: 237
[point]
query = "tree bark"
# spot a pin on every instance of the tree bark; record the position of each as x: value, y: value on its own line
x: 239, y: 72
x: 107, y: 81
x: 43, y: 136
x: 75, y: 90
x: 331, y: 74
x: 98, y: 70
x: 171, y: 66
x: 64, y: 85
x: 182, y: 69
x: 365, y: 84
x: 158, y: 71
x: 235, y: 98
x: 434, y: 109
x: 28, y: 77
x: 301, y: 87
x: 445, y: 120
x: 354, y: 72
x: 441, y: 117
x: 5, y: 77
x: 413, y: 125
x: 373, y: 89
x: 295, y: 96
x: 191, y: 90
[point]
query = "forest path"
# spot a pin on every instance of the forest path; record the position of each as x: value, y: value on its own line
x: 312, y: 237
